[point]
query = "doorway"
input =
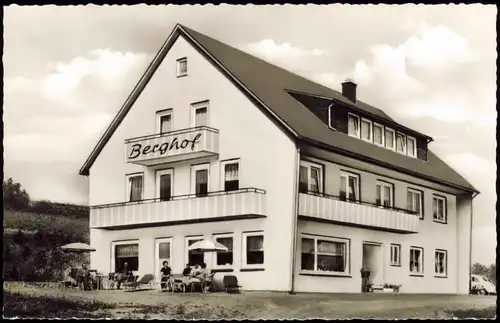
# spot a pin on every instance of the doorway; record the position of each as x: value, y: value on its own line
x: 373, y: 260
x: 163, y: 252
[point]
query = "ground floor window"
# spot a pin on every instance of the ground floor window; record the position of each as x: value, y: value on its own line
x: 224, y: 258
x: 416, y: 260
x: 323, y: 254
x: 440, y: 262
x: 194, y: 257
x: 253, y: 246
x: 127, y: 253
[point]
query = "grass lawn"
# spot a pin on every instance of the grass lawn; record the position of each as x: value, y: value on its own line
x: 35, y: 301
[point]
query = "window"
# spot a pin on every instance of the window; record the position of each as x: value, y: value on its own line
x: 224, y: 258
x: 415, y: 202
x: 439, y: 208
x: 366, y: 130
x: 440, y: 262
x: 230, y: 175
x: 353, y: 125
x: 163, y: 253
x: 384, y: 194
x: 395, y: 254
x: 253, y: 247
x: 125, y: 252
x: 322, y: 254
x: 310, y: 177
x: 164, y: 184
x: 182, y: 67
x: 416, y: 260
x: 349, y: 187
x: 200, y: 114
x: 378, y: 134
x: 400, y: 143
x: 412, y: 146
x: 389, y: 138
x: 194, y: 257
x: 134, y: 187
x: 164, y: 121
x: 199, y: 179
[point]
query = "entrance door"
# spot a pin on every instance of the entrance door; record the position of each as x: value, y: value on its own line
x: 373, y: 259
x: 163, y: 252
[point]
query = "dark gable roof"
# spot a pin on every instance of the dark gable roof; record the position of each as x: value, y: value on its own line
x: 269, y: 84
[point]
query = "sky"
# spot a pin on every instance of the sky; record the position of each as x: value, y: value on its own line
x: 68, y: 70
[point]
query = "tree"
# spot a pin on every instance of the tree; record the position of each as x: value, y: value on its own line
x: 13, y: 196
x: 485, y: 271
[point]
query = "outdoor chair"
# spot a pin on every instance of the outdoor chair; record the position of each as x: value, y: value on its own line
x: 207, y: 283
x: 109, y: 281
x: 231, y: 284
x: 145, y: 280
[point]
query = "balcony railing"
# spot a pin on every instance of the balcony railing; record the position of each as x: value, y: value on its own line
x: 245, y: 202
x: 357, y: 213
x: 197, y: 142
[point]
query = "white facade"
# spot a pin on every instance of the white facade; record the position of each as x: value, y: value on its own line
x: 268, y: 167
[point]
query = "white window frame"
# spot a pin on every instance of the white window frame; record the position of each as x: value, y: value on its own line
x: 178, y: 66
x: 214, y: 258
x: 346, y: 271
x: 445, y: 252
x: 395, y: 261
x: 186, y: 245
x: 197, y: 106
x: 370, y: 131
x: 347, y: 175
x: 420, y: 261
x: 393, y: 138
x: 119, y: 243
x: 161, y: 114
x: 420, y: 193
x: 414, y: 152
x: 223, y: 172
x: 404, y: 143
x: 385, y: 184
x: 158, y: 262
x: 128, y: 187
x: 378, y: 125
x: 159, y: 173
x: 330, y: 107
x: 309, y: 164
x: 244, y: 236
x: 359, y: 125
x: 436, y: 198
x: 195, y: 168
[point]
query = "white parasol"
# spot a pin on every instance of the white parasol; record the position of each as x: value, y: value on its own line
x: 207, y: 246
x: 77, y: 247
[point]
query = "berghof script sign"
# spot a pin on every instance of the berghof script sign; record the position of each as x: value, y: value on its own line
x: 162, y: 147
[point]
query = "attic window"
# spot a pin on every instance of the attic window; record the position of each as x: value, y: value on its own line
x: 353, y: 127
x: 182, y: 67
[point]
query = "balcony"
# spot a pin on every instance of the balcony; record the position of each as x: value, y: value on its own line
x: 329, y: 208
x: 245, y: 203
x: 172, y: 146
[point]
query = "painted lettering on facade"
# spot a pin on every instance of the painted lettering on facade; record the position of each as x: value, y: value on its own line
x: 175, y: 144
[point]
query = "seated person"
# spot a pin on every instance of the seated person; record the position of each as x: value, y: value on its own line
x: 166, y: 276
x: 122, y: 275
x: 187, y: 270
x: 67, y: 279
x: 204, y: 274
x: 195, y: 275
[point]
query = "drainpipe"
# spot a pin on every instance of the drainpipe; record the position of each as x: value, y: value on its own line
x: 295, y: 215
x: 470, y: 239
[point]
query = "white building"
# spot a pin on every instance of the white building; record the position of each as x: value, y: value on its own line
x: 304, y: 184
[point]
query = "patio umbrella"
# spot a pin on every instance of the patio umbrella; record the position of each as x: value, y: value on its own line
x: 207, y: 246
x: 77, y: 247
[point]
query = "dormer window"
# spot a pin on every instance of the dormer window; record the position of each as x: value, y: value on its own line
x: 182, y: 67
x: 400, y: 143
x: 353, y: 126
x: 378, y: 134
x: 366, y: 130
x: 389, y: 138
x: 412, y: 146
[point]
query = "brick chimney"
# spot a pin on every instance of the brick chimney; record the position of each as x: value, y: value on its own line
x: 349, y: 90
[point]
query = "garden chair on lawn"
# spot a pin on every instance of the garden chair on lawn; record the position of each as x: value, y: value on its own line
x: 145, y: 280
x: 231, y: 284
